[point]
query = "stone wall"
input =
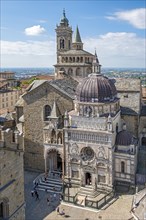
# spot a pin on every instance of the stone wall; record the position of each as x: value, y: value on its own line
x: 12, y: 176
x: 34, y: 103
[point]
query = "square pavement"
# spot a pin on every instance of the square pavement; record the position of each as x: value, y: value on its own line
x: 40, y: 210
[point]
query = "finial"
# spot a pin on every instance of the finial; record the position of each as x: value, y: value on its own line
x: 64, y: 12
x: 95, y: 52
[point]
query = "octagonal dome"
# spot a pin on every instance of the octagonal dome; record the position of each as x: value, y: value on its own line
x: 124, y: 138
x: 96, y: 88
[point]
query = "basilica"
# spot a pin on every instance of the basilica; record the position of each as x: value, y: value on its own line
x: 82, y: 123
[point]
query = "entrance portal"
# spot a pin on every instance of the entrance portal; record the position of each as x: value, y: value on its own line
x: 88, y: 179
x: 54, y: 161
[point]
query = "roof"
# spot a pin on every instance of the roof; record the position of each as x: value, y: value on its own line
x: 35, y: 84
x: 96, y: 88
x: 55, y: 113
x: 73, y: 52
x: 66, y: 85
x: 20, y: 102
x: 77, y: 36
x: 124, y: 138
x: 127, y: 111
x: 128, y: 84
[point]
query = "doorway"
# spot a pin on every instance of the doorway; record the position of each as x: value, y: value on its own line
x: 88, y: 179
x: 59, y: 163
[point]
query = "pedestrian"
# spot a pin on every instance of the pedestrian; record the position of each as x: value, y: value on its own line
x: 54, y: 196
x: 37, y: 196
x: 32, y: 193
x: 48, y: 201
x: 62, y: 212
x: 57, y: 210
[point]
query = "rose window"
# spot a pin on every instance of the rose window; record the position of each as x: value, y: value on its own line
x: 87, y: 154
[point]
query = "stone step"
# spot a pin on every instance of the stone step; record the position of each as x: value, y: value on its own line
x: 49, y: 188
x: 88, y: 191
x: 52, y: 182
x: 50, y: 185
x: 80, y: 200
x: 51, y: 179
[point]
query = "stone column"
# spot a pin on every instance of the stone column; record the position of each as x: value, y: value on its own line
x: 46, y: 165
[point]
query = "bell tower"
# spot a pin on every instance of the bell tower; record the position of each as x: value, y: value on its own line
x: 63, y: 36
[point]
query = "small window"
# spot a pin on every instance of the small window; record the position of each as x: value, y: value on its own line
x: 122, y: 167
x: 47, y: 112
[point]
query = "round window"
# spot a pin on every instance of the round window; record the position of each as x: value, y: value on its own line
x: 87, y: 153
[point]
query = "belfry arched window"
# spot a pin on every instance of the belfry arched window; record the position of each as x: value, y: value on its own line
x: 122, y: 167
x: 47, y: 112
x: 61, y: 43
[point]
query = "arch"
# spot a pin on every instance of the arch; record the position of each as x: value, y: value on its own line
x: 61, y: 43
x: 4, y: 208
x: 54, y: 160
x: 89, y: 70
x: 70, y: 71
x: 77, y: 59
x: 59, y: 138
x: 53, y: 136
x: 100, y: 164
x: 122, y: 167
x: 78, y: 71
x: 88, y: 178
x: 62, y: 69
x: 47, y: 112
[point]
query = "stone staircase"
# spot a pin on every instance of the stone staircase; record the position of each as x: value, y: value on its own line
x: 88, y: 191
x: 49, y: 184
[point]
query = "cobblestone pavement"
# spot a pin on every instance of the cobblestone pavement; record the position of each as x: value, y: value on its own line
x: 39, y: 209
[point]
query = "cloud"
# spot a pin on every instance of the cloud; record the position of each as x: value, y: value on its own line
x: 136, y: 17
x: 119, y: 49
x: 28, y: 48
x: 34, y: 30
x: 42, y: 21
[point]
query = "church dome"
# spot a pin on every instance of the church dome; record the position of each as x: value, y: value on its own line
x: 124, y: 138
x: 64, y: 21
x: 96, y: 88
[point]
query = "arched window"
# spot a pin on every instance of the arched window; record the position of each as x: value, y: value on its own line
x: 47, y: 112
x: 69, y: 44
x: 122, y: 167
x: 70, y: 71
x: 61, y: 43
x: 53, y: 136
x: 4, y: 208
x: 89, y: 70
x: 78, y: 72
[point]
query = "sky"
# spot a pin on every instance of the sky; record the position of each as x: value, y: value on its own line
x: 116, y: 29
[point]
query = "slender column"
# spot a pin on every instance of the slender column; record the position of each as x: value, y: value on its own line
x: 45, y: 163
